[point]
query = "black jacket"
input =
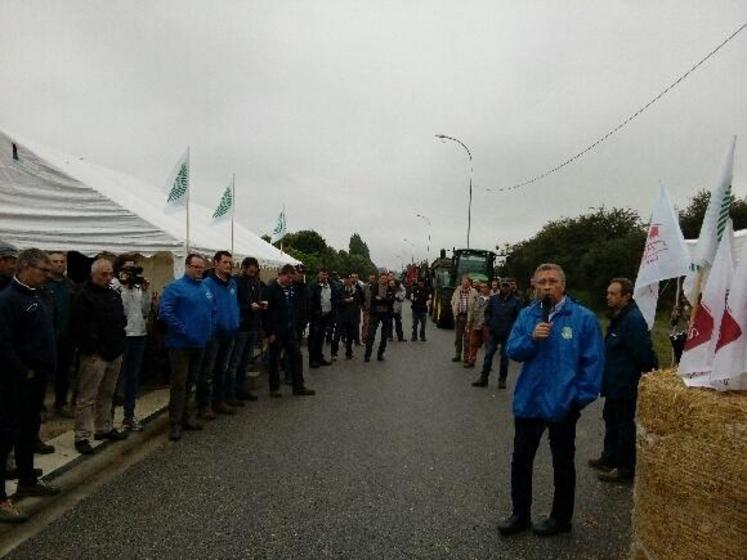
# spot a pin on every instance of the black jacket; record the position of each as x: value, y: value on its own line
x: 419, y: 298
x: 501, y: 313
x: 380, y: 304
x: 281, y: 316
x: 249, y: 290
x: 315, y: 299
x: 99, y: 322
x: 349, y: 303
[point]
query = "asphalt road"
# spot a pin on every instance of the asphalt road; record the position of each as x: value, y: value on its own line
x: 398, y: 459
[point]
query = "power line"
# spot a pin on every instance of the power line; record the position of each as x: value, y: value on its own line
x: 623, y: 123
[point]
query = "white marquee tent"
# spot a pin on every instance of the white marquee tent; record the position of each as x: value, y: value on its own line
x: 54, y: 201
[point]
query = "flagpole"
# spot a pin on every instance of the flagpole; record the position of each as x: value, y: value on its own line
x: 187, y: 204
x: 233, y: 206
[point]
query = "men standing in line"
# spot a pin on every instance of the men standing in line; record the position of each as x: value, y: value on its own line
x: 61, y: 290
x: 379, y: 305
x: 348, y: 308
x: 462, y: 299
x: 99, y: 326
x: 215, y: 377
x: 321, y: 304
x: 187, y: 309
x: 560, y: 345
x: 502, y: 311
x: 28, y: 351
x: 629, y: 353
x: 419, y: 304
x: 249, y: 292
x: 280, y: 326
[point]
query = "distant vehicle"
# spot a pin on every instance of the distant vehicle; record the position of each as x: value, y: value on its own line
x: 446, y: 274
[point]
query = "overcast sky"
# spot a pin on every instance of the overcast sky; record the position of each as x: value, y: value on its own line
x: 330, y: 107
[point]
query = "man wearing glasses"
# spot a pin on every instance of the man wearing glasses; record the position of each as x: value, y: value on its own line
x: 188, y: 310
x: 27, y: 344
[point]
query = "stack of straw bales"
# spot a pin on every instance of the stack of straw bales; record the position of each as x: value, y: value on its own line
x: 690, y: 498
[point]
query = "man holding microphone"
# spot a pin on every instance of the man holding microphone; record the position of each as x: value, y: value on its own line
x: 560, y: 345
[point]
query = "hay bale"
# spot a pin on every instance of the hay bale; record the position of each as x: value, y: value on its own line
x: 690, y: 497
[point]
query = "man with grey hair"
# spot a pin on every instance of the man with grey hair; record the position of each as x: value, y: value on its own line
x: 28, y: 348
x: 560, y: 345
x: 99, y: 327
x: 8, y: 254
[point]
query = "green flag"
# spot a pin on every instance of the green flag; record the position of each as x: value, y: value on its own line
x: 225, y: 205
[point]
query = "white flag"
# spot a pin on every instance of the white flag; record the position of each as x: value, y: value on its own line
x: 697, y: 359
x: 225, y: 206
x: 178, y: 183
x: 665, y: 256
x: 730, y: 361
x: 280, y: 228
x: 712, y: 229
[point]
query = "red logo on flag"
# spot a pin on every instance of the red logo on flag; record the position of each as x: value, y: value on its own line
x: 702, y: 329
x: 730, y: 330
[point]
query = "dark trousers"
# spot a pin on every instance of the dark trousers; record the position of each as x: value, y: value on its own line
x: 185, y: 370
x: 317, y: 331
x: 288, y: 343
x: 62, y: 370
x: 346, y: 328
x: 214, y: 373
x: 241, y: 357
x: 619, y: 435
x: 129, y: 374
x: 490, y: 350
x: 419, y: 318
x: 357, y: 326
x: 527, y: 435
x: 395, y: 325
x: 377, y: 319
x: 20, y: 433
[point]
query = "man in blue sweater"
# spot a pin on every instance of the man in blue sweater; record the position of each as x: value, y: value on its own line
x: 560, y: 345
x: 187, y: 309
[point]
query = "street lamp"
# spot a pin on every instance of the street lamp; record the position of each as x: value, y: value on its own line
x: 428, y: 246
x: 443, y: 137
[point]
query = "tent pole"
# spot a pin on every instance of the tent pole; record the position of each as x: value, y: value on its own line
x: 188, y: 189
x: 233, y: 206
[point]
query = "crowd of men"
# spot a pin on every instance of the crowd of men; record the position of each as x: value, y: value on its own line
x: 214, y: 321
x: 90, y: 339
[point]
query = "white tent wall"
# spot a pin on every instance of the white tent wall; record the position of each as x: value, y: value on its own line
x: 54, y: 201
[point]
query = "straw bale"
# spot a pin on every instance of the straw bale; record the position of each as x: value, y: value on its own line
x: 690, y: 497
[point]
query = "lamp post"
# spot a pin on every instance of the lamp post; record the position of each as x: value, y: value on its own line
x: 428, y: 246
x: 443, y: 137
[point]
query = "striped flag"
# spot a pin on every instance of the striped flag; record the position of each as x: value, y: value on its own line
x: 712, y: 230
x: 178, y: 183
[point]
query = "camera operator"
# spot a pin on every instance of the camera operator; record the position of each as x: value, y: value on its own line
x: 136, y: 301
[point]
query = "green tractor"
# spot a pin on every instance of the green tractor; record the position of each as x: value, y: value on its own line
x: 446, y: 273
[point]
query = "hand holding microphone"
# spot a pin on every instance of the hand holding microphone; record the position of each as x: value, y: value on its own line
x: 542, y: 330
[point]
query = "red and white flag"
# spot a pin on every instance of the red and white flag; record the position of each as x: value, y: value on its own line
x: 697, y: 359
x: 730, y: 362
x: 665, y: 256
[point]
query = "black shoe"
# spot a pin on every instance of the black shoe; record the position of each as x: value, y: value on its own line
x: 456, y: 359
x: 422, y: 339
x: 12, y: 474
x: 600, y: 465
x: 111, y: 435
x: 512, y: 525
x: 367, y: 358
x: 38, y: 490
x: 501, y: 383
x: 380, y: 358
x: 247, y: 397
x: 41, y: 448
x: 480, y: 382
x: 548, y: 527
x: 84, y: 447
x: 615, y: 476
x: 276, y: 394
x: 176, y: 433
x: 303, y: 392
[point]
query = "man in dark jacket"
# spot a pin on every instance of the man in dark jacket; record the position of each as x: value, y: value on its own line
x: 348, y: 306
x: 502, y: 311
x: 99, y: 328
x: 28, y: 350
x: 419, y: 297
x: 629, y: 353
x: 322, y: 302
x: 379, y: 305
x: 280, y: 325
x: 249, y: 293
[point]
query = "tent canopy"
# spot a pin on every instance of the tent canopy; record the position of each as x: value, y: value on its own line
x: 54, y: 201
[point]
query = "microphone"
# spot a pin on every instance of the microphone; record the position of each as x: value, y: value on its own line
x: 546, y: 306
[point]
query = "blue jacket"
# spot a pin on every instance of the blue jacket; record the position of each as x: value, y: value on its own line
x: 559, y: 373
x: 226, y: 304
x: 629, y: 353
x: 188, y: 310
x: 501, y: 314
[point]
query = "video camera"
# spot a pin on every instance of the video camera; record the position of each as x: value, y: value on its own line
x: 132, y: 276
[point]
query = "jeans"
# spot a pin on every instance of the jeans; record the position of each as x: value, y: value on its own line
x: 243, y: 351
x: 619, y: 435
x: 527, y: 435
x: 490, y: 350
x: 129, y: 374
x: 419, y: 317
x: 395, y: 325
x: 214, y: 371
x: 375, y: 320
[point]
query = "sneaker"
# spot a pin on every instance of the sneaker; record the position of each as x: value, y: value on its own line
x: 111, y: 435
x: 83, y: 447
x: 206, y: 414
x: 10, y: 514
x: 37, y: 490
x: 222, y: 408
x: 41, y: 448
x: 303, y: 392
x: 132, y: 424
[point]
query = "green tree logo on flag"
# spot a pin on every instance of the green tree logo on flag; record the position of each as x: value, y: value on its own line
x: 280, y: 228
x: 225, y: 206
x: 178, y: 183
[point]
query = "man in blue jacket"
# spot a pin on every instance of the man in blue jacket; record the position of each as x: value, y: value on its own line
x: 560, y: 345
x: 215, y: 378
x: 188, y: 310
x: 629, y: 353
